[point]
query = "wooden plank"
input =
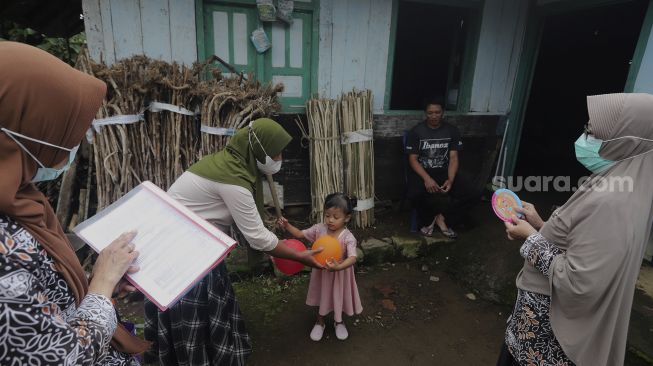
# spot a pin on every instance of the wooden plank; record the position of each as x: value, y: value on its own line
x: 358, y: 18
x: 278, y: 45
x: 155, y: 23
x: 296, y: 43
x: 109, y: 52
x: 378, y: 43
x: 127, y: 33
x: 221, y: 35
x: 183, y: 42
x: 513, y: 64
x: 339, y: 50
x: 240, y: 38
x: 506, y: 33
x: 644, y: 79
x: 485, y: 58
x: 93, y: 28
x: 324, y: 48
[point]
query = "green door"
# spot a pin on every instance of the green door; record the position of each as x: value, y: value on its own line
x: 289, y: 60
x: 227, y: 28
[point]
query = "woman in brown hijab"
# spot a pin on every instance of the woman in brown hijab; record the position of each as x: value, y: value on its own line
x: 577, y: 284
x: 50, y: 313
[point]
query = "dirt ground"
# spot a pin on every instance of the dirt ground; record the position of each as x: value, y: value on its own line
x: 408, y: 319
x: 415, y: 313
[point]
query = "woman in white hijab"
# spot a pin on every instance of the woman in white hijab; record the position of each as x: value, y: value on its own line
x: 577, y: 284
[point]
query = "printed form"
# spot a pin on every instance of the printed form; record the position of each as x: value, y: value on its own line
x: 176, y: 247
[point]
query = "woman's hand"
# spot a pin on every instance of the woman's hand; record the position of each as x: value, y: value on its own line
x: 124, y: 287
x: 112, y: 263
x: 531, y: 215
x: 306, y: 257
x: 519, y: 229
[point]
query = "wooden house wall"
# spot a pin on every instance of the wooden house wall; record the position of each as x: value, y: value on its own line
x: 159, y: 29
x: 644, y: 79
x: 499, y: 49
x: 353, y: 50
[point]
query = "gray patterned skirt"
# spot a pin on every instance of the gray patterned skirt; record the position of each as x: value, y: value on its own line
x: 204, y: 328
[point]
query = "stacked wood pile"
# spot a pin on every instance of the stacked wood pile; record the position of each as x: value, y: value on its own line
x: 231, y: 103
x: 342, y: 153
x: 356, y: 120
x: 325, y: 153
x: 159, y: 146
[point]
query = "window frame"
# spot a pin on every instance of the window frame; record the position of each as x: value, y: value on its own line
x: 312, y: 7
x: 469, y: 54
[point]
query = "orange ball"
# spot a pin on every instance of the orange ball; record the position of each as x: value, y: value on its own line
x: 332, y: 249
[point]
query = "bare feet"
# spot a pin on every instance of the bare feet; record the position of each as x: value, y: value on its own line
x: 439, y: 220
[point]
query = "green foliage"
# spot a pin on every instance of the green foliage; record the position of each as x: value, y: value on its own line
x: 66, y: 49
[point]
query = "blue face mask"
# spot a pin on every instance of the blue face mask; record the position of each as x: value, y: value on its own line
x: 43, y: 173
x: 587, y: 152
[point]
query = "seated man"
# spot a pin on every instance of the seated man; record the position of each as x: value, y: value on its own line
x: 432, y: 148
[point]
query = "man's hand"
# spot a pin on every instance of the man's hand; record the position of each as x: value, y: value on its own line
x: 446, y: 186
x: 431, y: 186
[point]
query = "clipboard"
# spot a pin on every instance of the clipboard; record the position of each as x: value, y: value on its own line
x: 177, y: 248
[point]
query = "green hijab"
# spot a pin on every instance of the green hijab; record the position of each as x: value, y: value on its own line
x: 236, y: 164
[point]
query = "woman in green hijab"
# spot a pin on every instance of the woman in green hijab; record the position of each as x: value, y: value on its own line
x: 206, y: 327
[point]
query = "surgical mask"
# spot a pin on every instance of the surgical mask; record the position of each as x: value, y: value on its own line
x: 270, y: 166
x: 587, y: 152
x: 43, y: 173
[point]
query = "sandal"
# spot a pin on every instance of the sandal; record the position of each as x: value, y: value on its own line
x: 449, y: 233
x: 426, y: 231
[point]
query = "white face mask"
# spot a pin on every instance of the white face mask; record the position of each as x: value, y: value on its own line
x: 270, y: 166
x: 43, y: 173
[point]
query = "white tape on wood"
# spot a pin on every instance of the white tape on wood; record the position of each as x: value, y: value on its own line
x: 220, y: 131
x: 357, y: 136
x: 124, y: 119
x: 158, y: 107
x: 364, y: 205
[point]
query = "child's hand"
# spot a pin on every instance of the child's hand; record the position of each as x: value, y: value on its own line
x: 283, y: 223
x: 332, y: 265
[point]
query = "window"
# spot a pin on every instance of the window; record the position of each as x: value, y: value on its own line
x: 429, y: 54
x: 227, y: 27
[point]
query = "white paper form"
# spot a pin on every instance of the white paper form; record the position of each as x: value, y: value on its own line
x: 176, y: 247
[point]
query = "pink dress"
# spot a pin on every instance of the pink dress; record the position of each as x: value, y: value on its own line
x: 334, y: 291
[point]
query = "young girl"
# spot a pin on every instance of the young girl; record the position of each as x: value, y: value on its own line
x: 333, y: 288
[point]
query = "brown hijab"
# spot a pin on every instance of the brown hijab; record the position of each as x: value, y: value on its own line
x: 43, y: 98
x: 604, y: 232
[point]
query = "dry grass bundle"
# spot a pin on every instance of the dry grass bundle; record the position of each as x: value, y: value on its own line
x: 355, y: 112
x: 231, y: 103
x: 164, y: 144
x: 325, y: 153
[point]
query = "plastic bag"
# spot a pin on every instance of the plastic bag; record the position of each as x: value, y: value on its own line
x: 284, y: 10
x: 266, y: 10
x: 260, y: 40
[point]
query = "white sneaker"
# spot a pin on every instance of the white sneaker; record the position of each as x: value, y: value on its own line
x: 317, y: 332
x: 341, y: 331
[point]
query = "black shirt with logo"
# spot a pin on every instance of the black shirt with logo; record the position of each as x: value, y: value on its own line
x: 432, y: 146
